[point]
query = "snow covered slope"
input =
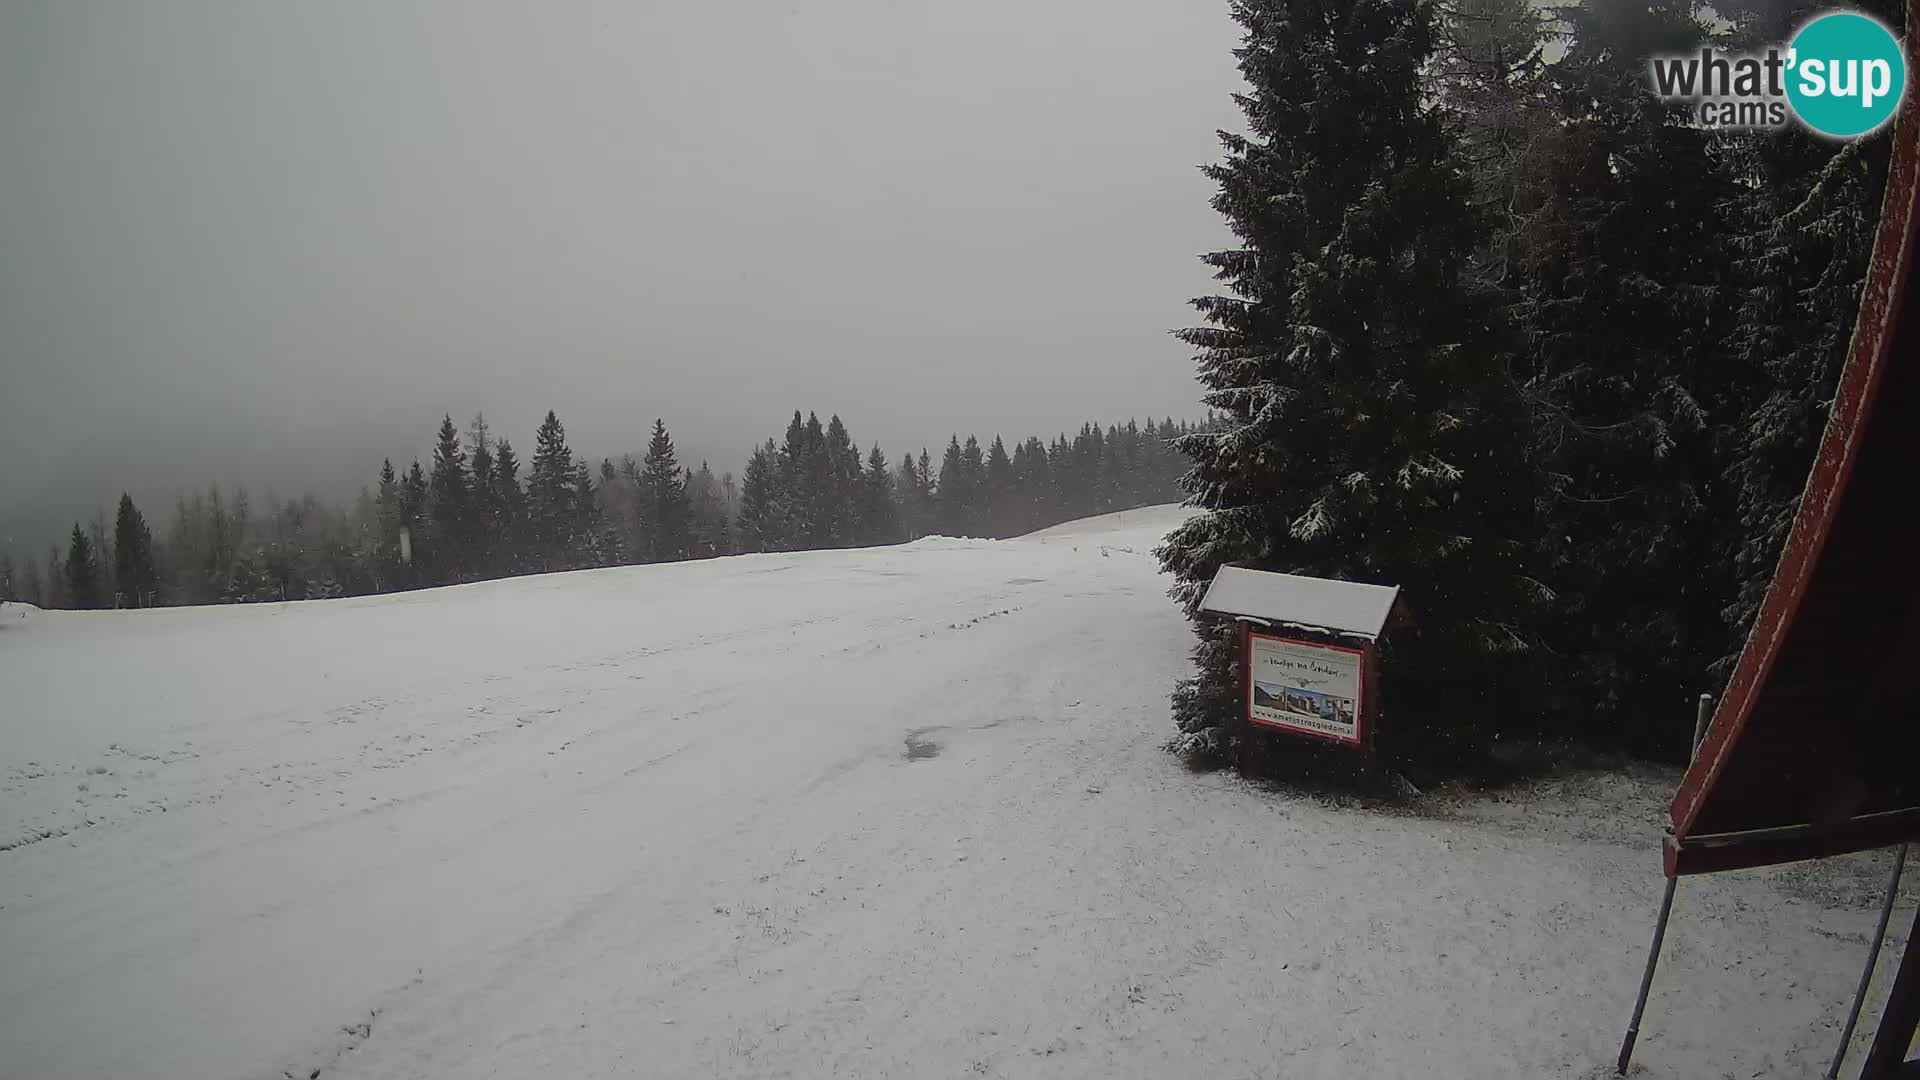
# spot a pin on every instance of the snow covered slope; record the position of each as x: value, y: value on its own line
x: 883, y: 812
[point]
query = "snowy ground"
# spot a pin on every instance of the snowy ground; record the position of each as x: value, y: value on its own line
x: 895, y: 812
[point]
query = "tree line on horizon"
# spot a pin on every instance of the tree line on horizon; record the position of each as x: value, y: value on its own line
x: 469, y: 513
x: 1506, y: 329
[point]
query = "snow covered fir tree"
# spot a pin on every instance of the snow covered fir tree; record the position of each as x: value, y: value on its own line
x: 1368, y: 427
x: 1510, y: 332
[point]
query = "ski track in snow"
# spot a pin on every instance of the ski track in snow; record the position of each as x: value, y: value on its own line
x: 894, y: 812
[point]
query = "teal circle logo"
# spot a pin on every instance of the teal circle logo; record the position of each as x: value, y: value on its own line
x: 1846, y: 74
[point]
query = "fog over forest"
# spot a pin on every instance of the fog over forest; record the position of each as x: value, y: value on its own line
x: 269, y: 247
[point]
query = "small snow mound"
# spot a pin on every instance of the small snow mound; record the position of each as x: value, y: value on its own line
x: 938, y: 542
x: 13, y: 613
x: 1142, y: 527
x: 1153, y: 520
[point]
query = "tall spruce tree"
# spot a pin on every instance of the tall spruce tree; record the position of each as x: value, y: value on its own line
x: 707, y: 526
x: 414, y: 501
x: 590, y: 542
x: 760, y: 527
x: 451, y: 512
x: 840, y: 492
x: 510, y: 509
x: 795, y: 484
x: 954, y: 492
x: 613, y: 502
x: 388, y: 504
x: 134, y: 575
x: 1489, y: 75
x: 632, y: 511
x: 550, y: 501
x: 483, y: 508
x: 83, y: 572
x: 1623, y: 276
x: 927, y: 512
x: 1027, y: 483
x: 1089, y: 493
x: 879, y: 518
x: 997, y: 496
x: 664, y: 498
x: 907, y: 496
x: 973, y: 464
x: 813, y: 499
x: 1368, y: 425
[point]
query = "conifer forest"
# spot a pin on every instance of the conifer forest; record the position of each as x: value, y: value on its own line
x: 474, y: 512
x: 1507, y: 330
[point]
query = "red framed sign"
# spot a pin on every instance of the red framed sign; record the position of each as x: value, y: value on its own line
x: 1308, y: 687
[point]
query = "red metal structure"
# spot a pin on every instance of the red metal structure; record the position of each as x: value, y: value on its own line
x: 1814, y: 749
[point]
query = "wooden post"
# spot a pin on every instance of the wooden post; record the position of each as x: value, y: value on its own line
x: 1369, y: 704
x: 1242, y: 730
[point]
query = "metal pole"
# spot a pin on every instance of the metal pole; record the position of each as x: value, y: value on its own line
x: 1646, y: 978
x: 1873, y: 955
x: 1703, y: 710
x: 1899, y: 1017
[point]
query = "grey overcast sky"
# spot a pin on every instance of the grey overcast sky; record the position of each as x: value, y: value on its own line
x: 270, y: 244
